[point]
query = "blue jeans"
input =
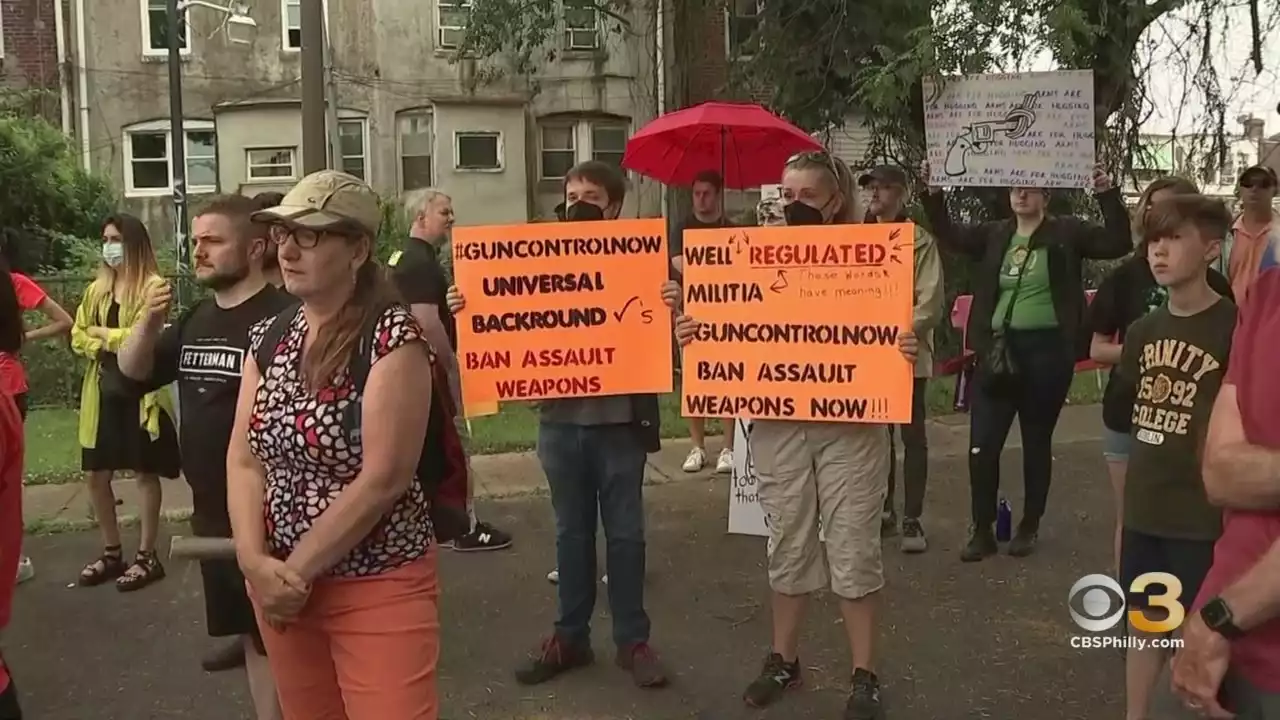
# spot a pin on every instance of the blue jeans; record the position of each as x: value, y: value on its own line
x: 597, y: 470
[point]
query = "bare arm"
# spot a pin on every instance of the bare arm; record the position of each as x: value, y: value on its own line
x: 246, y: 478
x: 60, y: 321
x: 1236, y: 473
x: 1104, y: 349
x: 1255, y: 598
x: 428, y: 316
x: 394, y: 414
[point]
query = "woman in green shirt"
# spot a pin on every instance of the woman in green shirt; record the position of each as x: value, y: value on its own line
x: 1026, y: 327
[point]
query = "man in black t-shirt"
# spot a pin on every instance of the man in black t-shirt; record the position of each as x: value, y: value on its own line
x: 203, y: 352
x: 420, y: 278
x: 708, y: 212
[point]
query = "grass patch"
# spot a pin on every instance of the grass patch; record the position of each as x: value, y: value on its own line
x: 53, y: 454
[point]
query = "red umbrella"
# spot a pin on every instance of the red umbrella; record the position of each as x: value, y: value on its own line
x: 746, y: 143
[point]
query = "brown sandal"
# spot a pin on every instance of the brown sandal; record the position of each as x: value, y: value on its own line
x: 146, y: 569
x: 108, y: 566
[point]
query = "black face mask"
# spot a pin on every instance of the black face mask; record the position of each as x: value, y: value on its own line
x: 798, y: 213
x: 583, y: 212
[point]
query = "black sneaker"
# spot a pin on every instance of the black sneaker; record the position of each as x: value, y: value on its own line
x: 1023, y: 542
x: 776, y: 677
x: 888, y: 523
x: 864, y: 698
x: 982, y: 544
x: 227, y: 657
x: 554, y: 658
x: 483, y: 538
x: 9, y: 708
x: 913, y: 540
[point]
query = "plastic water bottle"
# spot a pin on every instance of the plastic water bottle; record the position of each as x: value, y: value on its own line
x: 1004, y: 521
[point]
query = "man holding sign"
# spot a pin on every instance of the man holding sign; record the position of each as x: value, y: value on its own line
x: 568, y: 314
x: 806, y: 331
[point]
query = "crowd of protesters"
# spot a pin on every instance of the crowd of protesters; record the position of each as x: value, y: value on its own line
x: 347, y: 387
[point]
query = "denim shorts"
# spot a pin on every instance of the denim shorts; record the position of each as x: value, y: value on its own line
x: 1115, y: 445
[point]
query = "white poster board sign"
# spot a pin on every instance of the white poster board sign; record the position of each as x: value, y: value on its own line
x: 746, y: 516
x: 1020, y: 129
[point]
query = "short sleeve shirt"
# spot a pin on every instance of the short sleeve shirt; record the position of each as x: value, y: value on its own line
x: 1247, y: 535
x: 310, y: 459
x: 420, y: 278
x: 13, y: 378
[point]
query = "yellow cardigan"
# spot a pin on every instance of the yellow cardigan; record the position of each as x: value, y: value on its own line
x: 93, y: 310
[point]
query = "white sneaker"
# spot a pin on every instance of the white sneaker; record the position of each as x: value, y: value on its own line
x: 696, y: 459
x: 553, y: 577
x: 26, y: 570
x: 724, y: 463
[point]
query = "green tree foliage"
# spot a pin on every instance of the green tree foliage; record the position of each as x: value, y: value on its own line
x: 48, y: 197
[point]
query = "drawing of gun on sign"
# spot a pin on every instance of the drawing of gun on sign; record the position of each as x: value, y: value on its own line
x: 978, y: 137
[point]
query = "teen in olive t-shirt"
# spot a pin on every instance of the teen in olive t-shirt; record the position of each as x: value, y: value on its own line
x: 1176, y: 366
x: 1033, y: 308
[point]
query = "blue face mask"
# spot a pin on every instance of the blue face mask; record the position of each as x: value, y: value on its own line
x: 113, y: 254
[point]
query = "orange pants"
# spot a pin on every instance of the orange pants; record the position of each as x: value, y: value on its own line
x: 362, y: 649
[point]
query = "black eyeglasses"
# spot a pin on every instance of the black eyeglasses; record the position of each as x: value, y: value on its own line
x: 304, y: 238
x: 1257, y: 183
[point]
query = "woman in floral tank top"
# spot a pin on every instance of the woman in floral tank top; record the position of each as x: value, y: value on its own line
x: 331, y: 529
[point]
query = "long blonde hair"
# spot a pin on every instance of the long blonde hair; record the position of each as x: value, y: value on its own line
x: 139, y: 258
x: 834, y: 170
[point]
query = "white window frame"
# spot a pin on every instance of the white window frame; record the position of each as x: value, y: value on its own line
x: 583, y: 138
x: 284, y: 24
x: 162, y: 127
x: 147, y: 50
x: 500, y: 151
x: 364, y: 144
x: 441, y: 27
x: 430, y: 114
x: 249, y: 164
x: 1, y: 35
x: 571, y: 33
x: 730, y: 12
x: 625, y: 127
x: 572, y: 127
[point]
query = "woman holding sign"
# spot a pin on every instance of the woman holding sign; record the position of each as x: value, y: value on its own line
x: 833, y: 475
x: 1027, y: 329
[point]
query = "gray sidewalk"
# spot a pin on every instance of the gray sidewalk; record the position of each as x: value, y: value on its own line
x: 60, y: 507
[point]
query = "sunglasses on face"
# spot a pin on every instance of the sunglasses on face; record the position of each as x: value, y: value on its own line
x: 1256, y: 183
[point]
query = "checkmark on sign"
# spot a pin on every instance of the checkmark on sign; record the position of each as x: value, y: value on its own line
x: 622, y: 313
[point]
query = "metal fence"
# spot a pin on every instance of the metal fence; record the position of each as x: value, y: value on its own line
x: 54, y: 373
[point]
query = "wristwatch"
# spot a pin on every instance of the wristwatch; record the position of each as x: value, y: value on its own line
x: 1217, y: 616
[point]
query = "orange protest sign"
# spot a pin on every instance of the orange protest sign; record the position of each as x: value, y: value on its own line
x: 799, y: 323
x: 479, y: 409
x: 556, y: 310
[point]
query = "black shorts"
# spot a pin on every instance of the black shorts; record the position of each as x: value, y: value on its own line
x: 227, y: 608
x: 1187, y: 560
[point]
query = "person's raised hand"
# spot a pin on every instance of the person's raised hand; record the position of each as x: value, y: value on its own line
x: 686, y: 329
x: 453, y: 298
x: 671, y: 294
x: 1101, y: 179
x: 158, y: 301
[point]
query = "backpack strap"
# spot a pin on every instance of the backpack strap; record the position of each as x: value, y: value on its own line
x: 358, y: 368
x: 271, y: 339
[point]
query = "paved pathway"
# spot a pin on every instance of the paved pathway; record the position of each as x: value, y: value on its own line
x: 959, y: 641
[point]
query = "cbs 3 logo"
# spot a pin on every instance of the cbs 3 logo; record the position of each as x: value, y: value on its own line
x: 1097, y: 602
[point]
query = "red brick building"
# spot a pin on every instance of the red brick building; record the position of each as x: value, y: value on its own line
x: 29, y: 50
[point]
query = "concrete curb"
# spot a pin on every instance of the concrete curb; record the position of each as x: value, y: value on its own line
x: 65, y: 508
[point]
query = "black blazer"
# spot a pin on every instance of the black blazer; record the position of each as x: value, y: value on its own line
x: 1069, y: 240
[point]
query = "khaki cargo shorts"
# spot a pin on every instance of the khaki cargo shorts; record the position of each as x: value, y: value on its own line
x: 833, y: 473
